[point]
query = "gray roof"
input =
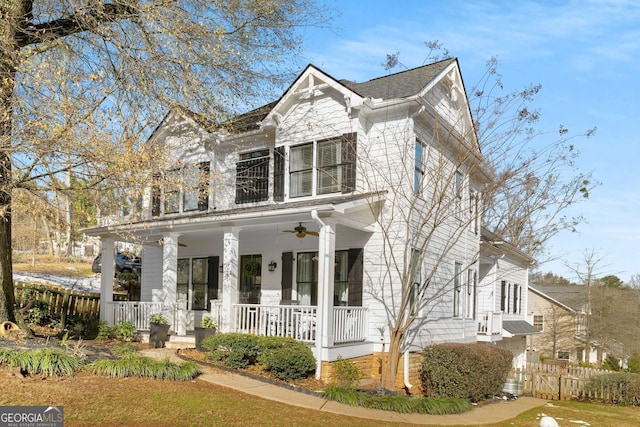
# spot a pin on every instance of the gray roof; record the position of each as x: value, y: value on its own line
x: 519, y: 327
x: 573, y: 296
x: 399, y: 85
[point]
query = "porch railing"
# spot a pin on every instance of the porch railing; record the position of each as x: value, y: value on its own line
x: 299, y: 322
x: 349, y: 324
x: 490, y: 323
x: 137, y: 313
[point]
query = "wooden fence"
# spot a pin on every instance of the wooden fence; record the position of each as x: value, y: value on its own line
x: 558, y: 382
x: 61, y: 301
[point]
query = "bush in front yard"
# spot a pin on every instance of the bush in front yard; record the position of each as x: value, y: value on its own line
x: 233, y: 350
x: 290, y: 360
x: 284, y: 357
x: 619, y: 388
x: 470, y: 371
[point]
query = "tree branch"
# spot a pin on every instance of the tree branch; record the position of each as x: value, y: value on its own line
x: 79, y: 21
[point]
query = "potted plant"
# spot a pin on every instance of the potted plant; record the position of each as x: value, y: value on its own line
x: 207, y: 328
x: 159, y: 330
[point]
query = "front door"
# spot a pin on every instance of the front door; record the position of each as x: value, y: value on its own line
x: 250, y: 279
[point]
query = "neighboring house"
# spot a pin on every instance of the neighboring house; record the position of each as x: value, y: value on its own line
x: 276, y: 225
x: 502, y: 296
x: 559, y: 312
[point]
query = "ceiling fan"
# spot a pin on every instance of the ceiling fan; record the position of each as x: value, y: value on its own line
x: 301, y: 231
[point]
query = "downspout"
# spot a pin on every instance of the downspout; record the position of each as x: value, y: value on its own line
x: 407, y: 384
x: 316, y: 218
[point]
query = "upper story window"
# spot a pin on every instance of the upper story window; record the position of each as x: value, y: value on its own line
x: 538, y: 321
x: 322, y: 167
x: 419, y: 167
x: 252, y: 177
x: 458, y: 194
x: 182, y: 190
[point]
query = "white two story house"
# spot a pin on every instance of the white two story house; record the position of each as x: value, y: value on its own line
x: 300, y: 218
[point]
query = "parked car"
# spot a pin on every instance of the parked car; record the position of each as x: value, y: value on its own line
x: 124, y: 264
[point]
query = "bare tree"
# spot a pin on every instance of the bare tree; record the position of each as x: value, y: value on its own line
x: 488, y: 169
x: 82, y: 82
x: 587, y: 272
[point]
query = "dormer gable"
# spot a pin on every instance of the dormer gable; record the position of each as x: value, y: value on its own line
x: 312, y: 82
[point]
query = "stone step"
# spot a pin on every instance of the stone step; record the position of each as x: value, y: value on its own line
x: 181, y: 341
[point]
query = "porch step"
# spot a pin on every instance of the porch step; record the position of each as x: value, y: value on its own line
x: 181, y: 341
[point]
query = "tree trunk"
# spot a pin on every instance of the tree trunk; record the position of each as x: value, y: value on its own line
x: 393, y: 359
x: 11, y: 13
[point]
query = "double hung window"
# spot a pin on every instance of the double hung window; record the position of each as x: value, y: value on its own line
x: 182, y: 190
x: 252, y: 177
x: 457, y: 288
x: 322, y: 167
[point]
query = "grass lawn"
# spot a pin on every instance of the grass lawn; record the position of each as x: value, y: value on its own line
x: 98, y: 401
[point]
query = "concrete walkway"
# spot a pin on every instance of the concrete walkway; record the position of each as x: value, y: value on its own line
x: 485, y: 414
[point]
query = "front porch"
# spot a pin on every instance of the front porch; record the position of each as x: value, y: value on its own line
x: 300, y: 322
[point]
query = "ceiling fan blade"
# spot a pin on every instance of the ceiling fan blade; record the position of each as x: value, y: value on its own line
x: 313, y: 233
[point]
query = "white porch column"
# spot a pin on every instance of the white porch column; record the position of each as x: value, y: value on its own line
x: 106, y: 278
x: 230, y: 280
x: 326, y: 261
x: 170, y: 275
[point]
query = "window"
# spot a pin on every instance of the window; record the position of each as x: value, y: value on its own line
x: 415, y: 272
x: 458, y: 195
x: 474, y: 198
x: 197, y: 282
x: 563, y: 355
x: 185, y: 189
x: 252, y: 177
x: 322, y: 167
x: 470, y: 298
x: 456, y: 289
x: 341, y: 279
x: 538, y: 321
x: 307, y: 278
x: 515, y: 298
x: 419, y: 167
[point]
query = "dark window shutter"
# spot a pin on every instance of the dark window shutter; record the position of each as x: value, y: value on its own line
x: 278, y: 174
x: 212, y: 285
x: 287, y: 275
x: 203, y: 186
x: 503, y: 296
x: 355, y: 277
x: 349, y: 154
x: 155, y: 196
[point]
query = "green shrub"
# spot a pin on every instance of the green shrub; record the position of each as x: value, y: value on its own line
x: 233, y: 350
x: 611, y: 363
x: 346, y: 374
x: 396, y: 403
x: 135, y: 365
x: 620, y: 388
x: 46, y: 361
x: 468, y: 371
x: 290, y: 361
x: 124, y: 331
x: 633, y: 363
x: 104, y: 332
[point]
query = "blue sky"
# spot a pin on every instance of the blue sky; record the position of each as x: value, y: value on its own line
x: 586, y: 55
